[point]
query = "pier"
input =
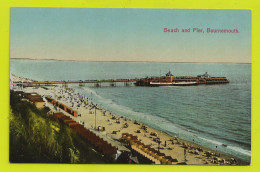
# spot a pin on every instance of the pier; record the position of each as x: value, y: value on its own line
x: 97, y: 83
x: 167, y: 80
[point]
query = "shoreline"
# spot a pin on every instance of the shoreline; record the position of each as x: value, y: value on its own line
x: 114, y: 123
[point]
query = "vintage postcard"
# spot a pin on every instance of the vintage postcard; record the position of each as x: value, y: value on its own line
x: 130, y: 86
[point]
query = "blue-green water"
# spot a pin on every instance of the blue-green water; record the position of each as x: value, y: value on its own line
x: 211, y: 115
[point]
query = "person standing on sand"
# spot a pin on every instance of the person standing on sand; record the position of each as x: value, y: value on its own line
x: 185, y: 155
x: 159, y: 143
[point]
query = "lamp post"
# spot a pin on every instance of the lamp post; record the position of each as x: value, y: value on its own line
x: 95, y: 118
x: 185, y: 155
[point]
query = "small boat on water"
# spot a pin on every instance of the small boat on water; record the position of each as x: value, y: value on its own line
x: 224, y: 145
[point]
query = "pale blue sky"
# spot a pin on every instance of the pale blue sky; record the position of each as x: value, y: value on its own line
x: 129, y: 35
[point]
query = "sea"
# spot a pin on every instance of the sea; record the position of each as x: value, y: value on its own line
x: 209, y: 115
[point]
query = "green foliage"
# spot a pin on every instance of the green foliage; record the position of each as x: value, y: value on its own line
x: 37, y: 137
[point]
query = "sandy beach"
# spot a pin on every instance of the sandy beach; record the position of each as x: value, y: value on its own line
x: 111, y: 126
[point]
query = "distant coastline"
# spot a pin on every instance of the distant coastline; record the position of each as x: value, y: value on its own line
x: 129, y: 61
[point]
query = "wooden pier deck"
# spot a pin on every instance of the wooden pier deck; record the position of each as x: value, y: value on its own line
x: 73, y: 82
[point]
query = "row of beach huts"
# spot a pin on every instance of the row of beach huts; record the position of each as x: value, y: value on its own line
x: 101, y: 145
x: 62, y: 106
x: 33, y: 98
x: 154, y: 155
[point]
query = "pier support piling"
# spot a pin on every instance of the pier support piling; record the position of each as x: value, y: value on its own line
x: 127, y: 84
x: 81, y: 84
x: 97, y: 84
x: 112, y: 84
x: 65, y: 85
